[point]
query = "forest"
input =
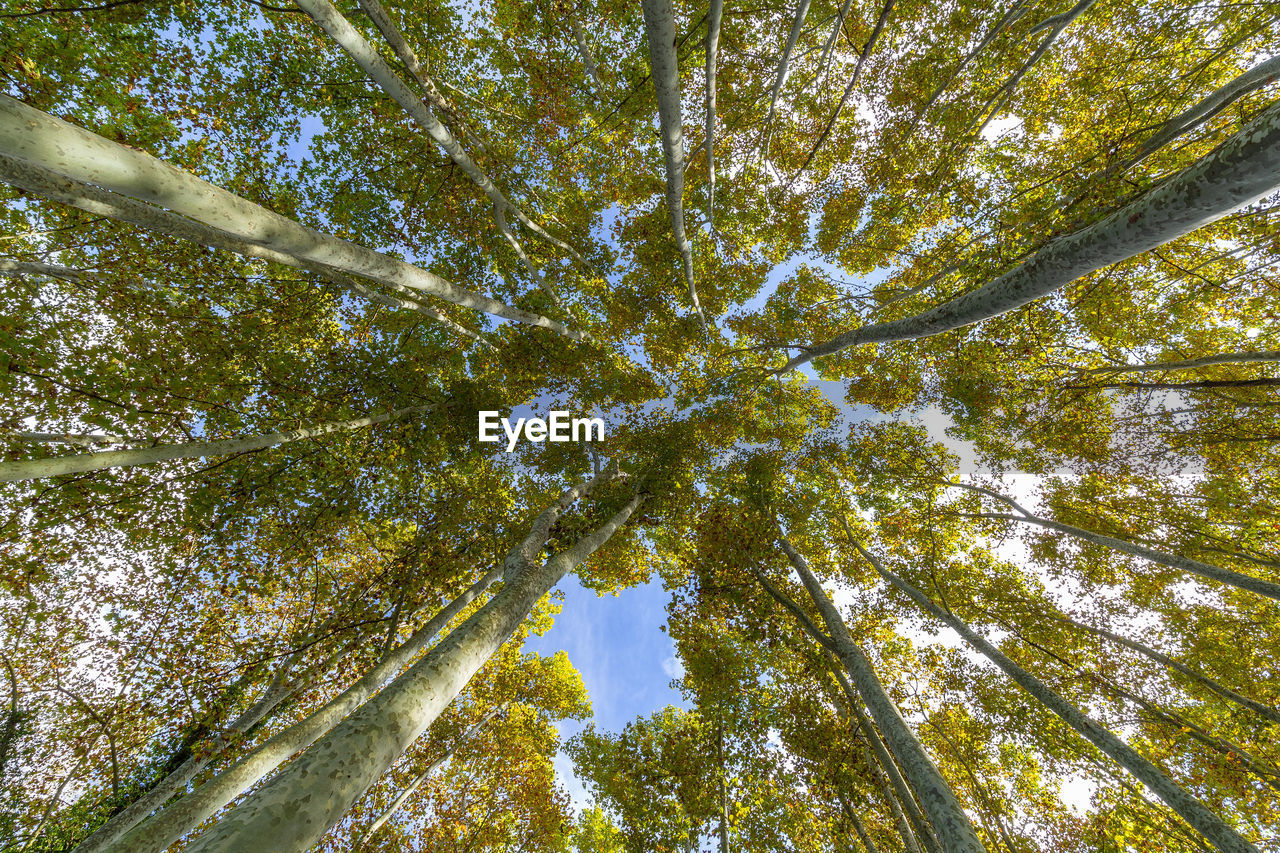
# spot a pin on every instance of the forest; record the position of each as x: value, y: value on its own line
x: 936, y: 345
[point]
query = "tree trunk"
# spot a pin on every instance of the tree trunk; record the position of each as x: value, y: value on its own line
x: 418, y: 780
x: 584, y: 50
x: 1240, y: 171
x: 660, y: 31
x: 724, y: 793
x: 882, y: 765
x: 1190, y: 363
x: 1244, y: 701
x: 81, y: 462
x: 1173, y: 561
x: 50, y: 144
x: 955, y: 832
x: 358, y: 48
x: 91, y: 199
x: 858, y: 827
x: 186, y: 814
x: 297, y: 806
x: 714, y: 17
x: 1191, y: 810
x: 784, y: 64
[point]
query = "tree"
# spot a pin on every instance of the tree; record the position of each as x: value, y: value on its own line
x: 936, y: 344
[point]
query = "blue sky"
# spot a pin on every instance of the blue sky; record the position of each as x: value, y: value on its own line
x: 627, y: 662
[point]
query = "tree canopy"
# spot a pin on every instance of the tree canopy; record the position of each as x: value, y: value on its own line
x: 936, y: 345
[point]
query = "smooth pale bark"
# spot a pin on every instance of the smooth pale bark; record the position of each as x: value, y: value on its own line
x: 535, y: 274
x: 81, y: 439
x: 784, y: 64
x: 858, y: 827
x: 1014, y: 14
x: 1173, y: 561
x: 418, y: 780
x: 584, y: 50
x: 715, y: 15
x: 1056, y: 24
x: 1190, y: 363
x: 664, y: 66
x: 177, y: 780
x: 291, y: 811
x: 882, y: 765
x: 1159, y: 657
x: 852, y: 84
x: 186, y: 814
x: 371, y: 62
x: 824, y: 62
x: 1240, y: 171
x: 406, y: 54
x: 1212, y: 827
x: 91, y: 199
x: 80, y: 463
x: 1250, y: 81
x: 954, y: 831
x: 53, y: 145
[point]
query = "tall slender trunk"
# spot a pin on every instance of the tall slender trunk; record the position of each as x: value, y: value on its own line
x: 79, y: 463
x: 884, y: 769
x: 885, y: 11
x: 784, y: 64
x: 724, y: 792
x: 297, y: 806
x: 358, y: 48
x: 1212, y: 827
x: 660, y: 32
x: 824, y: 62
x: 715, y: 14
x: 1240, y: 171
x: 83, y: 196
x: 1189, y: 363
x: 1266, y: 711
x: 1056, y: 24
x: 1173, y: 561
x: 177, y: 780
x: 858, y: 827
x: 1015, y: 13
x: 38, y: 139
x: 954, y: 831
x: 1246, y: 83
x: 419, y: 779
x: 186, y: 814
x: 584, y: 50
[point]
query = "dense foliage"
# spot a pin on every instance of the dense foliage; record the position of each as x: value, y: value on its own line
x: 961, y: 316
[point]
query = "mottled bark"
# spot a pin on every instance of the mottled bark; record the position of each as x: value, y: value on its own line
x: 80, y: 463
x: 91, y: 199
x: 954, y: 831
x: 186, y: 814
x: 417, y: 781
x: 291, y: 811
x: 1212, y: 827
x: 33, y: 143
x: 859, y: 829
x: 180, y: 777
x: 884, y: 768
x: 1240, y: 171
x: 660, y: 32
